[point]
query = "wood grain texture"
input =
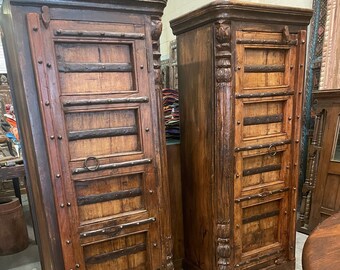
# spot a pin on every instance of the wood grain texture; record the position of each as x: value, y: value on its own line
x: 240, y: 128
x: 101, y: 91
x: 321, y: 250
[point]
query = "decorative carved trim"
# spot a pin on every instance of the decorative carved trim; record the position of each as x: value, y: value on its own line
x: 223, y: 250
x: 45, y: 16
x: 169, y: 257
x: 156, y: 30
x: 223, y: 78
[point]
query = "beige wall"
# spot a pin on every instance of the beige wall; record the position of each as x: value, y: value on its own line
x: 176, y: 8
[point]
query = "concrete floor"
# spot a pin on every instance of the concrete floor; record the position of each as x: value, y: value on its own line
x: 29, y: 258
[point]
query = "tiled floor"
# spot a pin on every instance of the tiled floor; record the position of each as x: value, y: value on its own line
x: 29, y: 258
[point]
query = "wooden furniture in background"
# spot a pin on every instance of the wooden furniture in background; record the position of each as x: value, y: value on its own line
x: 86, y: 80
x: 324, y: 178
x: 175, y: 188
x: 322, y: 248
x: 241, y: 82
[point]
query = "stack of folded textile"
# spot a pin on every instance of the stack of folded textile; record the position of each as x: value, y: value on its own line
x: 171, y: 114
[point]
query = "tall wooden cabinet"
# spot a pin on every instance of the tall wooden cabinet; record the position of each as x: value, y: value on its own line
x: 86, y: 81
x: 241, y: 81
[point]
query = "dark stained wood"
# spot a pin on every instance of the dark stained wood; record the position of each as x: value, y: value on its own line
x: 12, y: 172
x: 322, y: 248
x: 321, y: 193
x: 89, y: 67
x: 102, y: 34
x: 115, y: 254
x: 109, y: 196
x: 240, y: 105
x: 248, y: 121
x: 106, y: 101
x: 99, y: 133
x: 59, y: 81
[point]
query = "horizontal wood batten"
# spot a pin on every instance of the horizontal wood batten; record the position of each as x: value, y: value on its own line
x: 264, y: 169
x: 95, y: 34
x: 262, y: 95
x: 91, y: 199
x: 259, y: 120
x: 116, y: 229
x: 100, y: 133
x: 259, y: 146
x: 264, y: 68
x: 113, y: 166
x: 266, y: 42
x: 94, y: 67
x: 261, y: 216
x: 115, y: 254
x: 261, y: 195
x: 84, y: 102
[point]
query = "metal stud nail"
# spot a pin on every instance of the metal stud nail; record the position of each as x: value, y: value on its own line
x: 301, y: 65
x: 62, y: 205
x: 147, y: 129
x: 58, y: 175
x: 52, y: 137
x: 40, y: 62
x: 238, y: 122
x: 77, y: 265
x: 237, y: 175
x: 151, y: 191
x: 237, y: 225
x: 294, y: 210
x: 49, y: 65
x: 35, y: 29
x: 141, y: 66
x: 68, y: 242
x: 155, y: 244
x: 291, y: 67
x: 289, y: 118
x: 60, y: 137
x: 303, y: 41
x: 47, y: 103
x: 238, y: 68
x: 68, y: 204
x: 298, y: 117
x: 297, y: 141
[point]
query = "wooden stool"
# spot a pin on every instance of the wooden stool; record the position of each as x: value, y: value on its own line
x: 322, y: 248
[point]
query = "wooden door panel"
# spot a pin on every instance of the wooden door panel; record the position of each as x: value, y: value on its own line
x: 117, y: 131
x: 102, y: 68
x: 104, y: 145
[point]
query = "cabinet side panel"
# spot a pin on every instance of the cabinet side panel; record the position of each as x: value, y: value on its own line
x: 196, y: 107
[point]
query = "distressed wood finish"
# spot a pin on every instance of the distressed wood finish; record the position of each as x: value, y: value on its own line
x: 88, y: 88
x: 241, y: 88
x: 322, y: 188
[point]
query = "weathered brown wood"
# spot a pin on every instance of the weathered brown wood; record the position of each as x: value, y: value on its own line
x: 92, y: 104
x: 268, y: 168
x: 109, y: 196
x: 247, y: 121
x: 106, y: 101
x: 240, y: 124
x: 322, y: 248
x: 112, y: 166
x: 115, y: 254
x: 90, y: 67
x: 99, y: 133
x: 260, y: 68
x: 101, y: 34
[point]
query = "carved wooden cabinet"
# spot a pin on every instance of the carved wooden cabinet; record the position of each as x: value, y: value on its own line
x: 322, y: 186
x: 86, y: 80
x: 241, y: 82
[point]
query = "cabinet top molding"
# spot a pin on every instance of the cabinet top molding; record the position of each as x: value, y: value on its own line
x: 153, y: 7
x: 241, y: 11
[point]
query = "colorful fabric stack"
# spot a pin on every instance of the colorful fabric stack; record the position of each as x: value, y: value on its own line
x: 171, y: 114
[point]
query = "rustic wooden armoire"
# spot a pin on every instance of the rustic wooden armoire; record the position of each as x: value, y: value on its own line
x: 241, y: 82
x: 86, y: 82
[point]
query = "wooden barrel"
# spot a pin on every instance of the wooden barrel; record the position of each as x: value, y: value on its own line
x: 13, y: 230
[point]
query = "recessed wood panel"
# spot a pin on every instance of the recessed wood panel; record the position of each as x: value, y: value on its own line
x: 124, y: 253
x: 109, y: 196
x: 272, y: 110
x: 330, y: 199
x: 260, y: 225
x: 94, y: 53
x: 261, y: 169
x: 114, y: 120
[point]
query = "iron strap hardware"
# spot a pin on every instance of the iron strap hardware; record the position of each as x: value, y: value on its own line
x: 261, y: 195
x: 112, y: 165
x: 116, y: 229
x: 272, y: 150
x: 260, y: 146
x: 84, y: 102
x: 91, y: 168
x: 95, y: 34
x: 263, y: 95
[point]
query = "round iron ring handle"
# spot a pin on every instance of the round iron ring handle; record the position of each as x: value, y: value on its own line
x: 272, y: 150
x: 91, y: 168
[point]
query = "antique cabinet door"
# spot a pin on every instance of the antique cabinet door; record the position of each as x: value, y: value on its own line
x: 94, y: 87
x: 264, y: 131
